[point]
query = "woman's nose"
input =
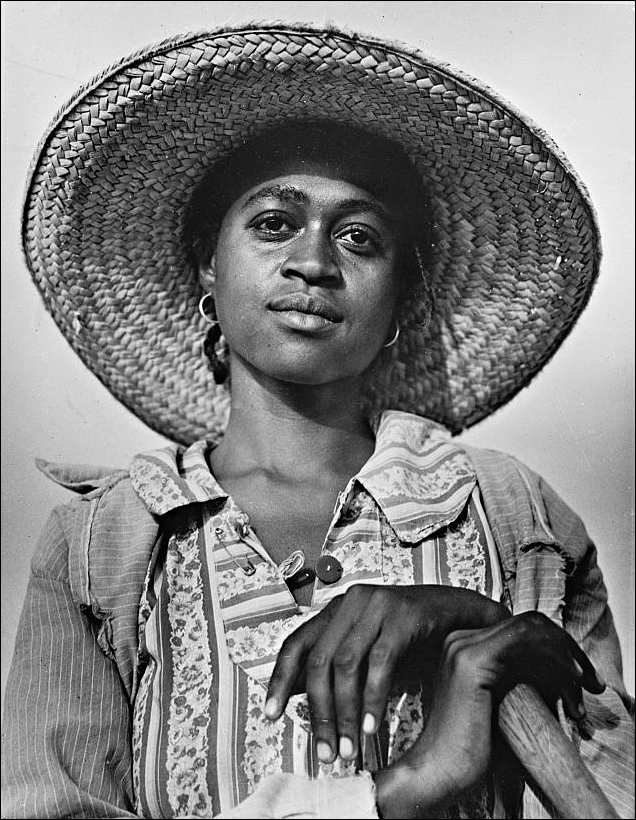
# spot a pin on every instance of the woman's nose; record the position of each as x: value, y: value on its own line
x: 312, y: 259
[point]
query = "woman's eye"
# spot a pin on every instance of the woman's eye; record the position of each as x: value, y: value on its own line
x: 359, y: 239
x: 273, y: 224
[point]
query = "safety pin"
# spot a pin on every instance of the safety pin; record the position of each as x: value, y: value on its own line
x: 247, y: 570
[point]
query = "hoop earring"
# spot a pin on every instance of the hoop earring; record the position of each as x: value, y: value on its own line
x: 396, y: 337
x: 210, y: 317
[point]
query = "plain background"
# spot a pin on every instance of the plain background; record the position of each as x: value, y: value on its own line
x: 569, y: 66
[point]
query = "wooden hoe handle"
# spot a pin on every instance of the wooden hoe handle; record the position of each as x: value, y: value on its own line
x: 549, y: 757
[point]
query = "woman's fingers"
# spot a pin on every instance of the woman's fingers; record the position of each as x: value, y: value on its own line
x: 352, y: 649
x: 383, y: 660
x: 330, y: 652
x: 290, y: 664
x: 336, y: 667
x: 530, y: 648
x: 431, y: 611
x: 572, y: 699
x: 351, y: 654
x: 590, y: 678
x: 365, y: 667
x: 349, y: 672
x: 561, y: 655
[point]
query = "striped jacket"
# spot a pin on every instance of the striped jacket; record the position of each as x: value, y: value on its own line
x: 68, y: 709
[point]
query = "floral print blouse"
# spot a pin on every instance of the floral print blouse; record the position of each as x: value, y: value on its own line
x: 216, y: 609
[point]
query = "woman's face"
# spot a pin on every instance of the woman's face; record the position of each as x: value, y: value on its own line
x: 306, y: 276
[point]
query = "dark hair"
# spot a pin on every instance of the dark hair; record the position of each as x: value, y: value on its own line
x: 385, y: 168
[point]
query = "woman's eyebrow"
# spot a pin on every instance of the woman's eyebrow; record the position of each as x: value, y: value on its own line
x: 285, y: 193
x: 289, y: 193
x: 369, y: 205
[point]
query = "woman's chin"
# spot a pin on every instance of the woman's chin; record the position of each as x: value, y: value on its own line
x: 312, y: 373
x: 314, y: 376
x: 303, y: 362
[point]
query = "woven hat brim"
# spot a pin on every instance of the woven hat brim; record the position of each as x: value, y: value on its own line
x: 515, y: 262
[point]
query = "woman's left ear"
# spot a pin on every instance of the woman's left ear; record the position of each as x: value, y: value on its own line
x: 207, y: 275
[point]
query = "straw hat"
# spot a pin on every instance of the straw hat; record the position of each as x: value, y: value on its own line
x: 517, y: 251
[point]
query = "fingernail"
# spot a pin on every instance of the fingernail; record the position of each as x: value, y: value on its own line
x: 271, y: 708
x: 577, y: 668
x: 581, y: 710
x: 345, y: 749
x: 324, y: 751
x: 368, y: 724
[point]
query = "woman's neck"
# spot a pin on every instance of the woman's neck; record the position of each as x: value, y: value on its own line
x: 293, y: 431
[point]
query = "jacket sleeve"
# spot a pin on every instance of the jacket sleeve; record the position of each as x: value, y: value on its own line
x: 67, y: 723
x: 606, y: 739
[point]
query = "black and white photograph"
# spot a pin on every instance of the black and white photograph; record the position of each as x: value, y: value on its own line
x: 317, y: 409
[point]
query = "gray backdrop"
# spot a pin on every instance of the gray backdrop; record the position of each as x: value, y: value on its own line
x: 567, y: 65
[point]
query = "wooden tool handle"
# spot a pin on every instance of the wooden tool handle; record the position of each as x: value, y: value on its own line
x: 549, y: 757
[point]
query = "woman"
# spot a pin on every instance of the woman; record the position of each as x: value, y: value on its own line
x: 323, y: 541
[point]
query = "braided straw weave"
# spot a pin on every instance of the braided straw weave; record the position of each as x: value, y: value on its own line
x: 517, y: 251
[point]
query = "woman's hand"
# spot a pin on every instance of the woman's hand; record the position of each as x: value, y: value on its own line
x: 477, y: 667
x: 363, y: 643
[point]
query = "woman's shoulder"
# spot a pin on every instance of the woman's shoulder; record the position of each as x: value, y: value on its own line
x: 102, y: 533
x: 81, y: 478
x: 498, y: 463
x: 521, y: 506
x: 524, y: 508
x: 99, y: 493
x: 424, y: 433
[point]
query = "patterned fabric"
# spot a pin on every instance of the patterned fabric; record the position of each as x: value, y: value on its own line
x: 79, y: 652
x: 201, y: 742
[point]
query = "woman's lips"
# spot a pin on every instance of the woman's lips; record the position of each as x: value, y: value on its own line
x: 306, y: 312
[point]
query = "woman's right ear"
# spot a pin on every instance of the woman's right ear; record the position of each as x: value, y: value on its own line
x: 207, y: 275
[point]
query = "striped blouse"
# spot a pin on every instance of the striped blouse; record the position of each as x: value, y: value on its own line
x: 216, y: 609
x: 189, y: 666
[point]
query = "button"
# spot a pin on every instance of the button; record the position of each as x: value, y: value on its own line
x: 328, y: 569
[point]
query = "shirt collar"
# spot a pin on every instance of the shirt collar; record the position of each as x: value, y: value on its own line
x: 417, y: 476
x: 174, y: 476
